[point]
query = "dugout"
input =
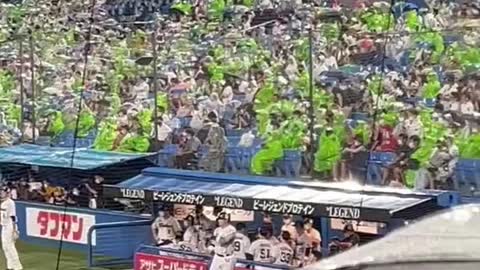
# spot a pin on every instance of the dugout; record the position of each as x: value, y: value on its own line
x: 55, y: 164
x: 322, y: 201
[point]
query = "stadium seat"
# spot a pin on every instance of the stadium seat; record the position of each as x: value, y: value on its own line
x: 429, y: 102
x: 360, y: 117
x: 166, y: 156
x: 376, y: 162
x: 234, y: 132
x: 233, y: 140
x: 233, y: 160
x: 467, y: 175
x: 290, y: 165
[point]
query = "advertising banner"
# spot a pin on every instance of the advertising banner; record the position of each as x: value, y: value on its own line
x: 157, y: 262
x: 47, y: 224
x: 181, y: 211
x: 145, y: 261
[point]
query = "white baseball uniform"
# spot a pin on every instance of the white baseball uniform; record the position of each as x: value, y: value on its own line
x: 262, y: 251
x: 241, y: 244
x: 166, y: 229
x: 192, y: 236
x: 7, y: 209
x: 223, y: 258
x: 303, y: 243
x: 283, y: 254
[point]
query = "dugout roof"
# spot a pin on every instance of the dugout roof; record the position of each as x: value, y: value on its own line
x: 277, y: 195
x: 59, y: 157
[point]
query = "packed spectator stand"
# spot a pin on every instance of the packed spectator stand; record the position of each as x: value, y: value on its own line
x: 395, y: 99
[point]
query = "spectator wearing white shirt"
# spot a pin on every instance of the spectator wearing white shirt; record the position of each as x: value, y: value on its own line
x: 163, y: 134
x: 247, y: 139
x: 463, y: 105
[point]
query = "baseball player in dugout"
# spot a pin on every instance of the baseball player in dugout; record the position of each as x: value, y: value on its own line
x: 261, y: 249
x: 222, y: 245
x: 8, y: 220
x: 165, y: 228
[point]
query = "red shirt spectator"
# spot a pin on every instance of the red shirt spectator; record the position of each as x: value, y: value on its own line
x: 385, y: 140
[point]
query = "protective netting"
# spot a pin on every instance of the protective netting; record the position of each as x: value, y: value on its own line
x: 379, y: 92
x: 382, y: 74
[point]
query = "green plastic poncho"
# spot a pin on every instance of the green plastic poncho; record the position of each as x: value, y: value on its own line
x: 471, y: 148
x: 85, y: 124
x: 216, y: 9
x: 435, y: 40
x: 106, y: 136
x: 216, y: 73
x: 184, y: 8
x: 468, y: 58
x: 432, y: 87
x: 263, y: 161
x: 328, y: 153
x: 363, y: 131
x: 390, y: 118
x: 56, y: 126
x: 412, y: 21
x: 134, y: 144
x: 293, y: 133
x: 263, y: 105
x: 145, y: 121
x: 377, y: 21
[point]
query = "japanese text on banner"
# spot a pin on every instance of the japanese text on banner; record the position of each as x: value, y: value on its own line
x: 47, y: 224
x: 157, y: 262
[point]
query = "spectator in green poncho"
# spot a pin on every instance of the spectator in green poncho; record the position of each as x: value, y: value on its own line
x: 432, y: 88
x: 55, y: 124
x: 328, y: 153
x: 130, y: 141
x: 293, y: 132
x: 263, y: 161
x: 85, y: 124
x: 106, y: 136
x: 137, y: 142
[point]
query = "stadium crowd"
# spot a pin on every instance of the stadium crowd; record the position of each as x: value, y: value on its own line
x: 297, y: 244
x: 396, y: 79
x: 88, y: 193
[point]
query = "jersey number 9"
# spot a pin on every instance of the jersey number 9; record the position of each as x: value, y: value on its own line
x: 236, y: 246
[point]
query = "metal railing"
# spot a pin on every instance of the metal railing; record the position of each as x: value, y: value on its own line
x: 114, y: 244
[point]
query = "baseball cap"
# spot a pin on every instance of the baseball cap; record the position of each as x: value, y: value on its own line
x: 223, y: 216
x: 299, y: 223
x: 348, y: 228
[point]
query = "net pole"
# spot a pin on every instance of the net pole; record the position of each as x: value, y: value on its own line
x: 155, y: 77
x: 22, y: 87
x: 32, y: 83
x: 310, y: 97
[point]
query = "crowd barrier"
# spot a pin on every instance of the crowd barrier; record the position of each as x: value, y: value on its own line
x: 41, y: 225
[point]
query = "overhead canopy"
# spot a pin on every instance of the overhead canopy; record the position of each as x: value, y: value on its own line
x: 277, y: 195
x: 59, y: 157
